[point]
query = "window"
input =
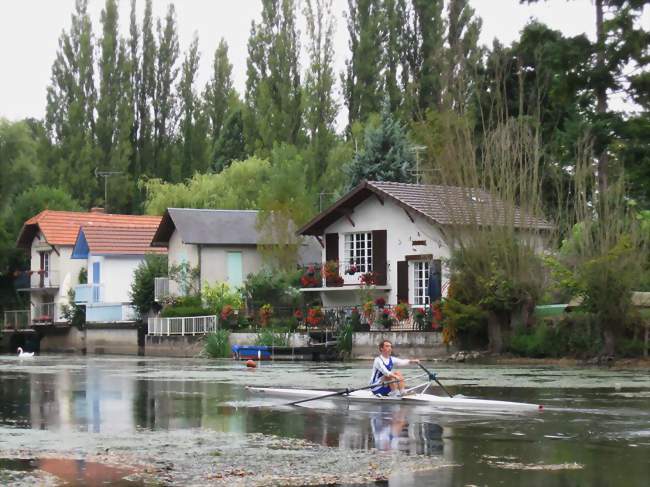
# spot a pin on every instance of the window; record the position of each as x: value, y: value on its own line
x: 358, y: 251
x: 420, y: 282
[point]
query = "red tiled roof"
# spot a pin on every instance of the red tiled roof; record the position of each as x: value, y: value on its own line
x: 123, y: 240
x: 62, y: 227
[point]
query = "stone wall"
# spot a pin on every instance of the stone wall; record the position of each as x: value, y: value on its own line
x: 423, y: 345
x: 63, y: 340
x: 114, y: 338
x: 173, y: 346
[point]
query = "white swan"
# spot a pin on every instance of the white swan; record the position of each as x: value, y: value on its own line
x: 22, y: 354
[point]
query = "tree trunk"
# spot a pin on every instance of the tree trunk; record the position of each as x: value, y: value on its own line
x: 495, y: 338
x: 609, y: 345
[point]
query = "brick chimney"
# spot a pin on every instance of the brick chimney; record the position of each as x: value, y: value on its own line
x: 97, y: 209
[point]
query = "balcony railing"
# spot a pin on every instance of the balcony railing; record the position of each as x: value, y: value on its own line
x: 40, y: 278
x: 333, y: 274
x: 88, y: 293
x: 44, y: 313
x: 194, y: 325
x: 17, y: 320
x: 110, y: 313
x: 161, y: 288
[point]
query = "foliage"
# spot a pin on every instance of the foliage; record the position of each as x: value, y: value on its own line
x: 401, y: 311
x: 344, y: 338
x: 83, y: 276
x: 272, y: 286
x: 466, y: 321
x: 315, y: 316
x: 311, y: 277
x: 386, y: 155
x: 186, y: 276
x: 385, y: 319
x: 74, y: 313
x: 142, y: 289
x: 219, y: 295
x: 217, y: 344
x: 181, y: 311
x: 271, y: 338
x: 265, y: 314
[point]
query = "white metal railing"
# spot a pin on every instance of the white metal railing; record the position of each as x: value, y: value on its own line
x: 17, y: 319
x: 89, y: 293
x: 191, y: 325
x: 161, y: 288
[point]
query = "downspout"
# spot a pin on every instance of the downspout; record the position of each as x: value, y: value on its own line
x: 198, y: 246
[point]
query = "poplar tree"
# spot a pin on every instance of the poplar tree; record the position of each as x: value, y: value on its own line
x: 70, y: 116
x: 193, y: 150
x: 231, y: 145
x: 135, y: 167
x: 273, y: 89
x: 362, y: 79
x: 146, y: 93
x: 164, y: 101
x: 320, y: 106
x: 219, y: 91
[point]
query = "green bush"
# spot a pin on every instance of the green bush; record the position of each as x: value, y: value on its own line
x: 344, y: 341
x: 142, y: 289
x: 272, y: 338
x: 273, y: 286
x: 181, y: 311
x: 217, y: 344
x: 220, y: 295
x: 626, y: 347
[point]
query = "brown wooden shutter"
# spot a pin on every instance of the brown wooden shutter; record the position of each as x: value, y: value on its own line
x: 402, y: 281
x: 379, y: 255
x: 332, y: 246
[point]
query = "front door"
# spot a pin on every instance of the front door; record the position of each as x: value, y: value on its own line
x: 96, y: 281
x: 235, y: 269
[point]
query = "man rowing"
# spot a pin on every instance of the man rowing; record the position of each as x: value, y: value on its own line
x: 389, y: 382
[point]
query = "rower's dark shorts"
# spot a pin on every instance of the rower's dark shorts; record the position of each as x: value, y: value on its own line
x: 382, y: 391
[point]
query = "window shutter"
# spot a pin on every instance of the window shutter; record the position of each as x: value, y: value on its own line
x: 402, y: 281
x: 332, y: 246
x: 379, y: 255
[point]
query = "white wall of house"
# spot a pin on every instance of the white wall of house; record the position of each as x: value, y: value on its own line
x: 179, y: 252
x: 64, y: 273
x: 400, y: 233
x: 115, y: 276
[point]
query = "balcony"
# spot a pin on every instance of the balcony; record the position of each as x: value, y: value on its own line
x: 38, y: 279
x: 110, y: 313
x: 45, y: 313
x: 17, y: 320
x: 88, y: 293
x: 339, y: 276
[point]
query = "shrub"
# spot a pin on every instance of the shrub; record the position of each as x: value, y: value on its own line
x: 220, y: 295
x: 217, y: 344
x: 273, y: 286
x: 314, y: 316
x: 401, y: 311
x: 185, y: 311
x: 73, y: 313
x: 355, y: 321
x: 271, y: 338
x: 344, y: 341
x: 142, y: 289
x: 386, y: 320
x: 266, y: 312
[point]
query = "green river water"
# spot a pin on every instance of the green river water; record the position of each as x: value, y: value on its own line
x: 130, y: 421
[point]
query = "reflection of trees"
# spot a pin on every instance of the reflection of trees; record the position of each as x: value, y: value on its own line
x: 15, y: 391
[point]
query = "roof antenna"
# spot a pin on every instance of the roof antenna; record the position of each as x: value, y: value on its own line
x: 106, y: 175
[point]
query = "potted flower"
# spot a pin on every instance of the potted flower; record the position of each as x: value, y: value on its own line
x: 352, y: 270
x: 368, y: 278
x: 419, y: 318
x: 311, y: 277
x: 266, y: 312
x: 401, y: 311
x: 436, y: 320
x: 385, y: 319
x: 331, y: 274
x: 380, y: 302
x: 314, y: 316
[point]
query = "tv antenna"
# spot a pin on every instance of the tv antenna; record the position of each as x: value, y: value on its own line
x: 106, y: 175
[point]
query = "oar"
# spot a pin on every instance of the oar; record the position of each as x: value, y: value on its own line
x: 432, y: 376
x: 340, y: 393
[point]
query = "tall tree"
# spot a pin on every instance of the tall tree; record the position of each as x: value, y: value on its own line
x: 362, y: 80
x: 320, y: 106
x: 231, y: 145
x: 70, y: 112
x: 193, y: 134
x: 395, y: 40
x: 146, y: 92
x: 463, y: 55
x: 273, y: 89
x: 164, y: 102
x: 219, y: 91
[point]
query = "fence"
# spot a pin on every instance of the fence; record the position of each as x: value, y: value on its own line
x: 17, y: 320
x: 363, y: 318
x: 344, y: 273
x: 41, y: 279
x: 193, y: 325
x: 45, y: 312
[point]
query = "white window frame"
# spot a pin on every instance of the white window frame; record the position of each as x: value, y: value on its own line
x: 357, y: 249
x: 420, y: 281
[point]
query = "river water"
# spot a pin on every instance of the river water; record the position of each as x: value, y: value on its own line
x: 148, y: 421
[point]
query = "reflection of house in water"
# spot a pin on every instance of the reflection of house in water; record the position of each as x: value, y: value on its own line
x: 70, y: 400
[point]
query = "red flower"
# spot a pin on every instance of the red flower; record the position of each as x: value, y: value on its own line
x: 380, y: 302
x: 298, y: 315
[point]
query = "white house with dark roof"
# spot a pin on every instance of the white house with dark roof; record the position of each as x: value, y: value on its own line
x: 400, y: 233
x: 221, y: 244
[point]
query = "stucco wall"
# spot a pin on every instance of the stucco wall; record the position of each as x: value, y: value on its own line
x: 179, y: 252
x: 116, y: 276
x: 214, y: 262
x: 400, y: 233
x: 422, y: 345
x: 63, y: 340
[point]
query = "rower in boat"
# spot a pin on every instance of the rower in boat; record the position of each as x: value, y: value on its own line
x: 382, y: 371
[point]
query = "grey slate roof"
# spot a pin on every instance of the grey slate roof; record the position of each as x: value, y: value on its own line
x: 215, y: 227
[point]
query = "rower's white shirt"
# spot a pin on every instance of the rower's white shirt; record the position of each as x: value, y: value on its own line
x: 380, y: 365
